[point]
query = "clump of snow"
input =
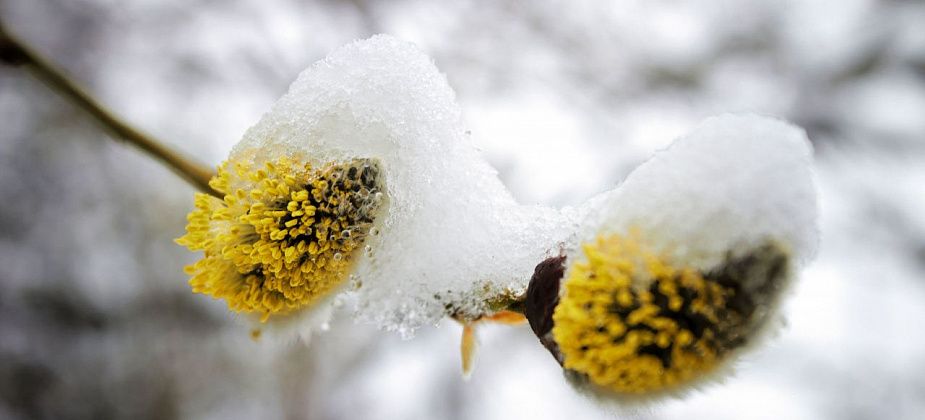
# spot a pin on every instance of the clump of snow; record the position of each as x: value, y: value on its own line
x: 731, y: 184
x: 450, y: 234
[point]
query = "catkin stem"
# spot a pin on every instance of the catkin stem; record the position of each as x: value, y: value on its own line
x: 14, y: 52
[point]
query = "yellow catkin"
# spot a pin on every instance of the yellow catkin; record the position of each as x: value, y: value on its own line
x: 285, y: 233
x: 634, y: 324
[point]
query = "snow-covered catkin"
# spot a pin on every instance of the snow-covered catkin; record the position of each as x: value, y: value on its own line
x: 682, y: 266
x: 435, y: 233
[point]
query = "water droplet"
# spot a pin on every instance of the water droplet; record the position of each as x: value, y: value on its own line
x: 338, y: 256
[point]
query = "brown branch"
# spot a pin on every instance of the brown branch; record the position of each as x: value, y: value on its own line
x: 14, y: 52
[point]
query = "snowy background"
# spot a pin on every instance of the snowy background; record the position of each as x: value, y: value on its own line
x: 564, y: 98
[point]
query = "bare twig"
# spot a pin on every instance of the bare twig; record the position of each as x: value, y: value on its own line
x: 14, y: 52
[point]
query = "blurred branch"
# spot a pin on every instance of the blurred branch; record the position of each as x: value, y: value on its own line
x: 15, y: 53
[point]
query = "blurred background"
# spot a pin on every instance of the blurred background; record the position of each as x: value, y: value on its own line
x: 563, y: 97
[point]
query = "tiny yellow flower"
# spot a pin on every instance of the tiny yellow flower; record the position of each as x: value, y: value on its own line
x: 629, y: 322
x: 285, y: 234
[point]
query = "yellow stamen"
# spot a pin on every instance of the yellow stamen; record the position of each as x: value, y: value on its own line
x: 634, y: 324
x: 285, y: 233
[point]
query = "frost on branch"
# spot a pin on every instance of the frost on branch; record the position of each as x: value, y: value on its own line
x: 449, y: 235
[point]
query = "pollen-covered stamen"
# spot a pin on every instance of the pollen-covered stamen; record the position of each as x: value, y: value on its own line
x: 285, y: 234
x: 630, y: 322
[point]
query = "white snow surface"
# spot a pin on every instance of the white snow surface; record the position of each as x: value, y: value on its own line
x: 451, y: 233
x: 734, y: 182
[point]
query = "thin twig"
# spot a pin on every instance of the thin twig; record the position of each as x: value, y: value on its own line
x: 15, y: 52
